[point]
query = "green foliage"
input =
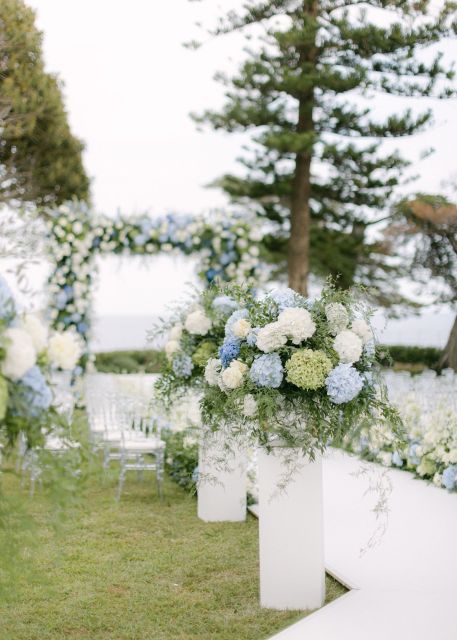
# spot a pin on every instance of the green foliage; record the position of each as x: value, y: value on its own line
x: 40, y: 159
x: 146, y: 361
x: 301, y: 92
x: 181, y: 457
x: 405, y: 354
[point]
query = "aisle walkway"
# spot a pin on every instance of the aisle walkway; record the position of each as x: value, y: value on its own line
x: 405, y: 587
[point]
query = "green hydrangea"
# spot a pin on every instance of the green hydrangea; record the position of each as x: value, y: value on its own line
x: 203, y: 353
x: 307, y: 369
x: 3, y: 397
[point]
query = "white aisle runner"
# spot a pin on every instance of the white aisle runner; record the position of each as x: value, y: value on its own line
x: 405, y: 587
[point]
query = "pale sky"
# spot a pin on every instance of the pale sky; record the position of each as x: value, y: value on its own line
x: 129, y: 87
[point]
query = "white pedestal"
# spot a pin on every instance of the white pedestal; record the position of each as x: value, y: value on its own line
x: 222, y: 482
x: 291, y: 533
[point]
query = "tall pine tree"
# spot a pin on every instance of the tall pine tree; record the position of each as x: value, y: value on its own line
x: 317, y: 165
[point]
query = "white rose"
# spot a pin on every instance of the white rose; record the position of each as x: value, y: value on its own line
x: 337, y: 317
x: 232, y: 377
x: 271, y: 337
x: 297, y: 323
x: 198, y: 323
x: 348, y: 346
x: 36, y: 330
x: 249, y: 405
x: 212, y: 371
x: 20, y: 353
x: 64, y: 350
x: 171, y: 347
x: 241, y: 328
x: 176, y: 332
x: 363, y: 330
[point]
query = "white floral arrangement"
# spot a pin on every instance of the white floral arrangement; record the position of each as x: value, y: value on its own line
x: 27, y: 355
x: 192, y: 335
x: 429, y: 449
x: 296, y: 371
x: 228, y: 246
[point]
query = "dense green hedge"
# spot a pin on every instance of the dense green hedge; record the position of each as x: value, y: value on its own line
x: 147, y: 361
x: 410, y: 355
x: 150, y: 361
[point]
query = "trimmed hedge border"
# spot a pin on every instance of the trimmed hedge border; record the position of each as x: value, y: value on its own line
x: 150, y: 361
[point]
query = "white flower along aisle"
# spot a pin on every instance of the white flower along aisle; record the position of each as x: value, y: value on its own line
x: 292, y: 375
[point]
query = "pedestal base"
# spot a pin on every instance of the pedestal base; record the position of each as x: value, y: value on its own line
x: 291, y: 535
x: 222, y: 482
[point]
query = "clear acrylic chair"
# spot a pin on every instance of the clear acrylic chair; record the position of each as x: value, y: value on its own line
x: 140, y: 452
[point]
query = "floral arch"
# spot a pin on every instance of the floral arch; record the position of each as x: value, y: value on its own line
x: 227, y: 244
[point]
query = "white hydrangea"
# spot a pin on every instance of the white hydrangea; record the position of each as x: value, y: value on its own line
x: 271, y: 337
x: 20, y: 353
x: 337, y: 317
x: 176, y: 332
x: 385, y: 458
x: 241, y: 328
x: 297, y: 324
x: 36, y: 330
x: 232, y: 377
x: 212, y: 371
x: 171, y: 347
x: 64, y: 350
x: 348, y: 346
x: 198, y: 323
x: 249, y: 405
x: 363, y: 330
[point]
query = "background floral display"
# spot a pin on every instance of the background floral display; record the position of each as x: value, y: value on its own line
x: 298, y: 371
x: 227, y: 244
x: 29, y: 354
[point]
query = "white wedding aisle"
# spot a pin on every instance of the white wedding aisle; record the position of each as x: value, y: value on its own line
x: 406, y: 586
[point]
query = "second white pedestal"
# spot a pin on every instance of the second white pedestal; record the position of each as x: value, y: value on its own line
x: 291, y: 533
x: 222, y: 481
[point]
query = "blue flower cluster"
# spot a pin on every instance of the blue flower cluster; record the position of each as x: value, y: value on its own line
x: 251, y: 338
x: 267, y: 371
x: 224, y: 305
x: 229, y: 351
x: 449, y: 479
x: 7, y: 306
x: 32, y: 394
x: 182, y: 365
x: 397, y: 460
x: 236, y: 315
x: 412, y: 455
x: 344, y: 383
x: 284, y: 298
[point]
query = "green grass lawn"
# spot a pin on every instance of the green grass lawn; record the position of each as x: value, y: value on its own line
x: 141, y: 570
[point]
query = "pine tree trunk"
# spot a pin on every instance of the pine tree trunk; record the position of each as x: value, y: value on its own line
x: 299, y: 239
x: 449, y: 357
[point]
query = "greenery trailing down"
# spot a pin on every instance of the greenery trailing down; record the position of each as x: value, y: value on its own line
x: 145, y: 361
x: 141, y: 569
x: 181, y: 457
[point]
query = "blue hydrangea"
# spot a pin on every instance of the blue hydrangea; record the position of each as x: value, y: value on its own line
x: 344, y: 383
x: 236, y: 315
x: 140, y: 239
x: 397, y: 460
x: 284, y: 298
x: 229, y: 351
x: 7, y: 306
x: 224, y: 305
x: 182, y: 365
x: 449, y: 479
x: 412, y: 455
x: 61, y: 300
x: 31, y: 394
x: 251, y: 338
x: 267, y: 371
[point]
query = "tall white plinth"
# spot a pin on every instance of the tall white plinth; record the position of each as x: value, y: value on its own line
x: 291, y: 532
x: 222, y: 481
